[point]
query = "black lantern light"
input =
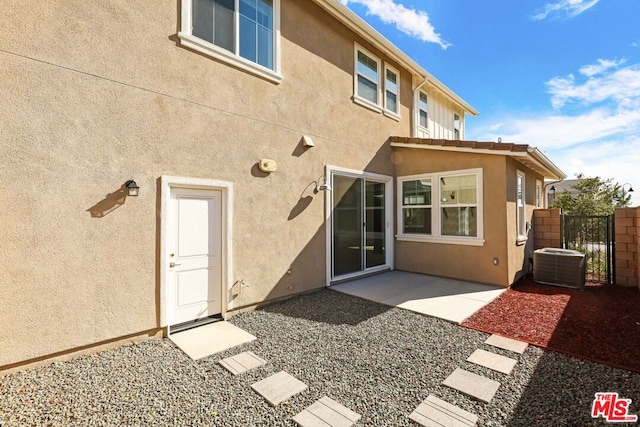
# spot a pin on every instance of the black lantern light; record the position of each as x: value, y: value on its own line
x: 132, y: 188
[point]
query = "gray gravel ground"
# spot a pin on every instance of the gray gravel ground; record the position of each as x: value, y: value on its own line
x: 378, y: 361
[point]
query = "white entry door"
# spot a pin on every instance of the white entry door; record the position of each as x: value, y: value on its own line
x: 195, y: 254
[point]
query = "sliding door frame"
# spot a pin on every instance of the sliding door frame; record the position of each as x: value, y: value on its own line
x: 330, y: 172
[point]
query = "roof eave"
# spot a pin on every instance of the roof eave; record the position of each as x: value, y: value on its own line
x: 531, y: 157
x: 545, y: 162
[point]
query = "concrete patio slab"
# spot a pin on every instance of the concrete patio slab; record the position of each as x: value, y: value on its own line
x: 473, y: 385
x: 434, y: 412
x: 447, y: 299
x: 492, y: 361
x: 326, y: 412
x: 241, y: 363
x: 279, y: 387
x: 210, y: 339
x: 507, y: 343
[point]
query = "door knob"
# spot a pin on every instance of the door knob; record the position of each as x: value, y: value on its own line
x: 172, y: 264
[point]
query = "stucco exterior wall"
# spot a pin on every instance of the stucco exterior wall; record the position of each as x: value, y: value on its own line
x: 95, y: 94
x: 520, y: 252
x: 473, y: 263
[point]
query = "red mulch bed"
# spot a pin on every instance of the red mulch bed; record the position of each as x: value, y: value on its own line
x: 601, y: 323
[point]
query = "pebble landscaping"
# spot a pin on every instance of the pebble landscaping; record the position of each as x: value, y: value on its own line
x: 377, y: 361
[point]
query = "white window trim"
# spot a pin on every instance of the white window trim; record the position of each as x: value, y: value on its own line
x: 539, y: 195
x: 522, y: 237
x: 436, y: 237
x: 387, y: 112
x: 419, y: 127
x: 187, y: 39
x: 357, y: 98
x: 329, y: 172
x: 459, y: 129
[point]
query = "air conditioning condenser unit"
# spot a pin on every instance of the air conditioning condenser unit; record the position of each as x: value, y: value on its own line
x: 559, y: 267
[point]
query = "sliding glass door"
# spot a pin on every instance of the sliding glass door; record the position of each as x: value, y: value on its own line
x: 359, y: 225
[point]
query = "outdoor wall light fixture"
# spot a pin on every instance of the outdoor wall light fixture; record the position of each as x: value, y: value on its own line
x: 132, y: 188
x: 322, y: 187
x: 630, y: 190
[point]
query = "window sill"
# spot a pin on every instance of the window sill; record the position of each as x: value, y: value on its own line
x: 392, y: 115
x: 367, y: 104
x: 223, y: 55
x: 466, y: 241
x: 422, y: 131
x: 521, y: 241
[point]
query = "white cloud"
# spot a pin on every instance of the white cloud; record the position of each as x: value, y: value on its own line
x: 561, y: 131
x: 616, y: 158
x: 414, y: 23
x: 594, y: 129
x: 496, y: 126
x: 621, y: 87
x: 602, y: 66
x: 564, y: 9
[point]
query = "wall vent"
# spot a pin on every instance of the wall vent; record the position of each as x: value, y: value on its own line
x: 559, y: 267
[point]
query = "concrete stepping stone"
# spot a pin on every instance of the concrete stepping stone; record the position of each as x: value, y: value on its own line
x: 493, y: 361
x: 434, y: 412
x: 473, y: 385
x: 279, y: 387
x: 241, y: 363
x: 507, y: 343
x: 326, y: 412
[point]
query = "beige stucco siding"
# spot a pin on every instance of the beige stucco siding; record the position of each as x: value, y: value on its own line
x: 519, y: 251
x: 95, y: 94
x: 473, y: 263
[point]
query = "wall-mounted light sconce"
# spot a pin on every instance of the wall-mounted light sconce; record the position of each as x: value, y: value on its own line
x: 132, y: 188
x: 630, y: 190
x: 325, y: 186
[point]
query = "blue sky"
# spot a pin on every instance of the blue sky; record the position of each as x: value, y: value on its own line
x: 560, y: 75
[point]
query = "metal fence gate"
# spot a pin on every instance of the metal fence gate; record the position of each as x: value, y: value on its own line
x: 594, y: 236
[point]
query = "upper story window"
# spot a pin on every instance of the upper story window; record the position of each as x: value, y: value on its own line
x: 521, y: 220
x: 422, y: 110
x: 392, y: 91
x: 244, y: 33
x: 367, y: 77
x: 456, y: 127
x: 443, y: 207
x: 376, y: 85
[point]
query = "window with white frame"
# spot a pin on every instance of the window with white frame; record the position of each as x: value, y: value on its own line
x: 538, y: 194
x: 456, y: 127
x: 376, y: 85
x: 367, y: 76
x: 521, y: 220
x: 423, y: 110
x: 416, y: 206
x: 444, y: 206
x: 242, y: 32
x: 391, y: 91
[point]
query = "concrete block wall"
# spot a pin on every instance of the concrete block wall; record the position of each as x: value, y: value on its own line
x: 627, y: 229
x: 546, y: 228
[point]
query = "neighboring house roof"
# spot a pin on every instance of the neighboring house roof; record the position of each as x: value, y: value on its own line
x: 566, y: 185
x: 360, y: 27
x: 523, y: 153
